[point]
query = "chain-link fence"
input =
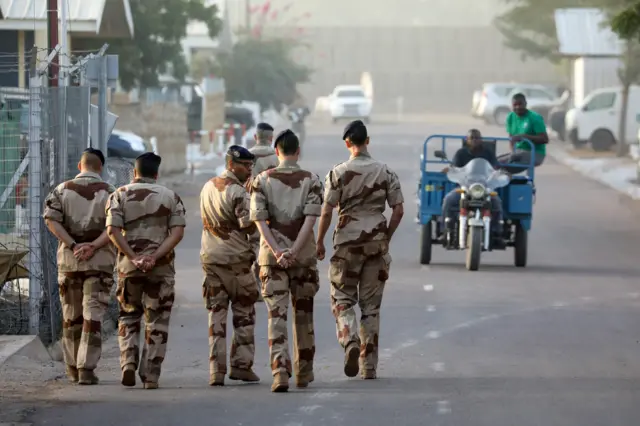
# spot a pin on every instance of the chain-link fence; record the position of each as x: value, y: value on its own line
x: 43, y: 132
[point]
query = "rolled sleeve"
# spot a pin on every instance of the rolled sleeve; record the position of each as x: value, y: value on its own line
x: 313, y: 203
x: 332, y: 190
x: 258, y: 207
x: 394, y: 191
x: 53, y: 209
x: 178, y: 213
x: 241, y: 207
x: 113, y: 210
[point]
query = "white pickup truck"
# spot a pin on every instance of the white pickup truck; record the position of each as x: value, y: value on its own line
x: 349, y: 101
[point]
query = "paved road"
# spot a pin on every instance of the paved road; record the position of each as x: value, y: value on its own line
x: 556, y: 343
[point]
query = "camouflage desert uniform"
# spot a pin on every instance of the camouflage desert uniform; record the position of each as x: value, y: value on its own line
x: 145, y: 211
x: 360, y: 264
x: 227, y: 256
x: 283, y: 196
x: 85, y: 286
x: 266, y: 159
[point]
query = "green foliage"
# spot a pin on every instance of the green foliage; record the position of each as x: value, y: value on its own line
x: 529, y: 26
x: 626, y: 22
x: 262, y: 70
x: 155, y: 49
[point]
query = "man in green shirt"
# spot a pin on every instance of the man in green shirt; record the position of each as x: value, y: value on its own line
x: 523, y: 123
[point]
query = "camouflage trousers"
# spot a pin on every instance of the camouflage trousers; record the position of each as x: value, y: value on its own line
x: 84, y: 297
x: 236, y: 285
x: 302, y: 285
x: 152, y: 296
x: 358, y: 274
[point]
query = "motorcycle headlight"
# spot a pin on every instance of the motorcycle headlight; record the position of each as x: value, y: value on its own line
x: 477, y: 190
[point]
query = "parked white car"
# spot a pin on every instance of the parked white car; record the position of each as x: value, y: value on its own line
x: 349, y: 101
x: 597, y: 119
x: 493, y: 102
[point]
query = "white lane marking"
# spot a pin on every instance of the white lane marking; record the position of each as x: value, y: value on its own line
x: 428, y: 287
x: 309, y: 409
x: 431, y: 308
x: 559, y: 305
x: 586, y: 298
x: 634, y: 295
x: 324, y: 395
x: 433, y: 335
x: 444, y: 407
x: 438, y: 367
x: 294, y: 424
x: 408, y: 344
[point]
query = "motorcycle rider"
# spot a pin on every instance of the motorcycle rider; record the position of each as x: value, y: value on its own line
x: 450, y: 204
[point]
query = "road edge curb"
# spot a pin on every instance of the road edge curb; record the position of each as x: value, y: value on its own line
x: 562, y: 156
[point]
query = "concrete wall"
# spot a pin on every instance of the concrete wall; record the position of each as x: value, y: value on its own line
x: 167, y: 122
x: 432, y: 68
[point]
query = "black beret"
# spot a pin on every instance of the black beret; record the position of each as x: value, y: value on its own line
x: 150, y: 156
x: 352, y: 127
x: 240, y: 153
x: 282, y: 136
x: 265, y: 126
x: 95, y: 152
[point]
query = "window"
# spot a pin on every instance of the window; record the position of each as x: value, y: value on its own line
x: 503, y: 91
x: 350, y: 94
x: 600, y: 101
x: 538, y: 94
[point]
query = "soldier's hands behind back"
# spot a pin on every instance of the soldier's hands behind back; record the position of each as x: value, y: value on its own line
x: 285, y: 258
x: 144, y: 262
x: 84, y: 251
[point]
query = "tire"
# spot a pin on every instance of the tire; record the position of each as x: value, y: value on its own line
x: 573, y: 138
x: 602, y: 140
x: 425, y: 243
x: 520, y: 247
x: 474, y: 248
x: 500, y: 116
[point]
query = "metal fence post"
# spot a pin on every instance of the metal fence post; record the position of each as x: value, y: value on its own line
x: 35, y: 204
x: 102, y: 111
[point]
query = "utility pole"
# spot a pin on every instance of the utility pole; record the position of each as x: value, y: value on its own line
x: 52, y: 28
x: 65, y: 60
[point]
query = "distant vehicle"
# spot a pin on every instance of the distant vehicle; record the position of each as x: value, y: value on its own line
x: 349, y: 101
x: 122, y: 150
x: 597, y: 119
x: 493, y: 102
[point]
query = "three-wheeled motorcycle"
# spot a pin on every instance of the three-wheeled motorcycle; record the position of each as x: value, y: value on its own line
x: 477, y: 182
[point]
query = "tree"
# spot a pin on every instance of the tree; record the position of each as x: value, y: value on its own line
x: 625, y: 22
x: 155, y: 49
x: 262, y: 70
x: 261, y: 66
x: 529, y: 26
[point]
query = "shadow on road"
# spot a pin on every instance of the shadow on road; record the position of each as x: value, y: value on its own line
x: 580, y: 270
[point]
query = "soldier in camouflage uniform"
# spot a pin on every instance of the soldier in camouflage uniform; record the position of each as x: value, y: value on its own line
x: 285, y: 202
x: 145, y: 221
x: 359, y: 268
x: 266, y: 159
x: 74, y: 213
x: 227, y: 257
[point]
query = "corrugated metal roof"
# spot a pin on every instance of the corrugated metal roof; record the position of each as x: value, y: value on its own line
x: 583, y: 32
x: 79, y: 10
x: 87, y: 15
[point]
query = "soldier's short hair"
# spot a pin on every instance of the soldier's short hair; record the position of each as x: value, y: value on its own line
x: 148, y: 164
x: 264, y: 131
x: 356, y: 132
x: 93, y: 151
x: 287, y: 142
